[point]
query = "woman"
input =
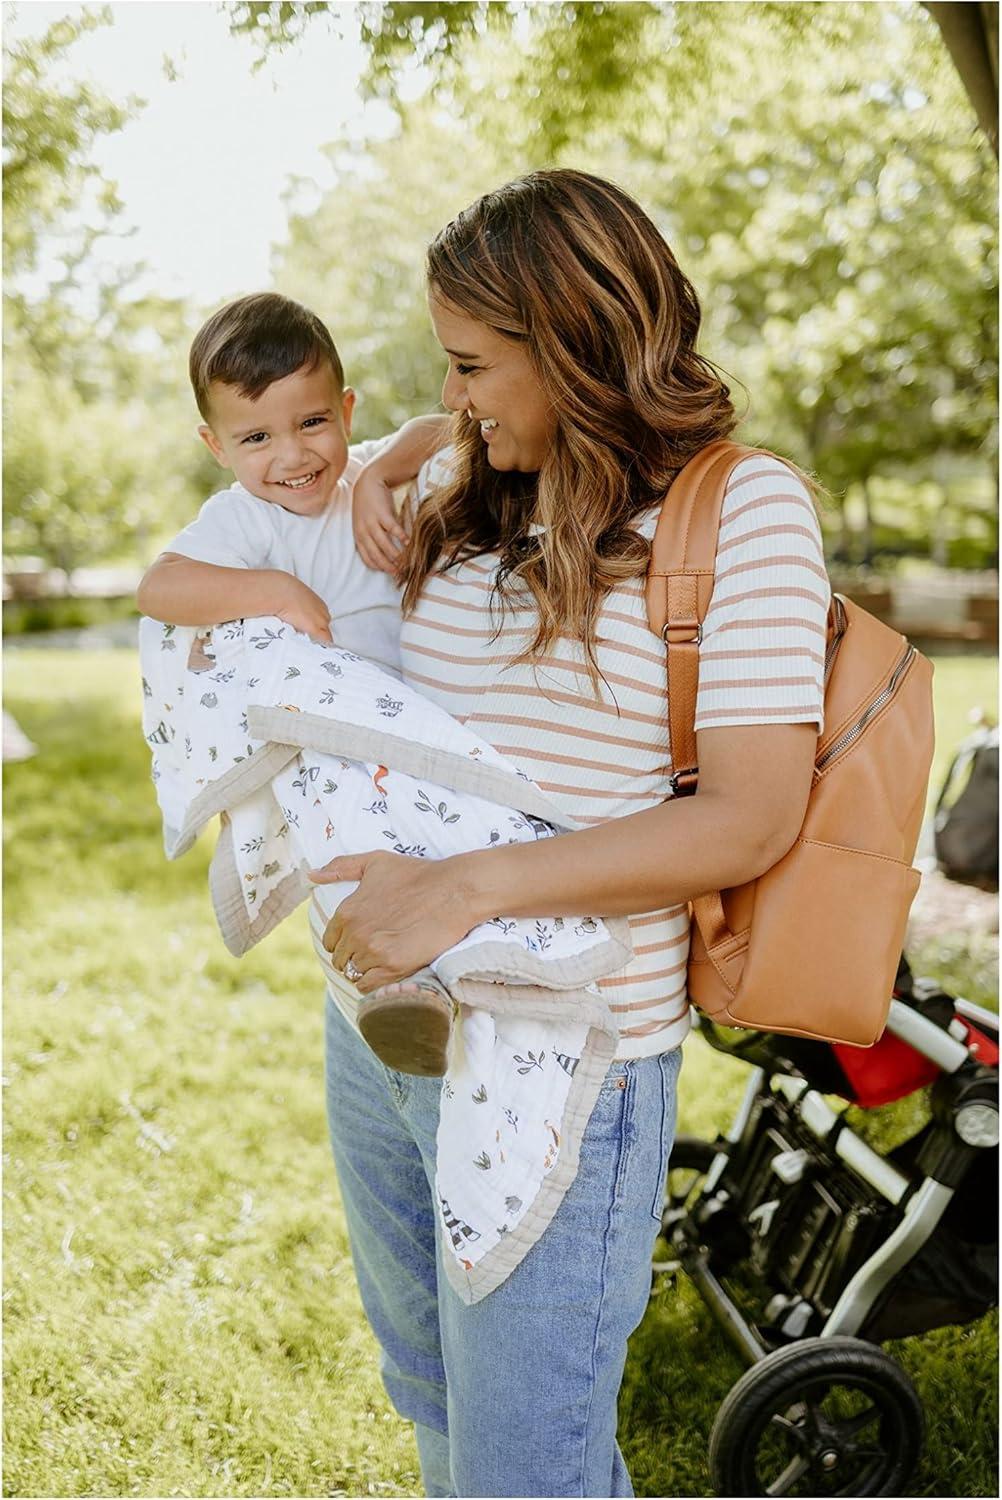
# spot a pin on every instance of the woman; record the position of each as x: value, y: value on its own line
x: 570, y: 334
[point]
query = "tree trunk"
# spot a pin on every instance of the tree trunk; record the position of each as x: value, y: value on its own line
x: 971, y: 34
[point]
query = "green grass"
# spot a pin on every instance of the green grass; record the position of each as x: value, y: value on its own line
x: 181, y: 1316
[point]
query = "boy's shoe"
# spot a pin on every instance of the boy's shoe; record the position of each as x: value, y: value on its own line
x: 408, y: 1026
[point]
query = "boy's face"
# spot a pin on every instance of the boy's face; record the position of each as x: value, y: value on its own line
x: 290, y: 445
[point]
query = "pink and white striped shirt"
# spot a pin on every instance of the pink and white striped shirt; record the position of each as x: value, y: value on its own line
x: 761, y: 662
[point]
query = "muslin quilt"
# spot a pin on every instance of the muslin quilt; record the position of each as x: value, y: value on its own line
x: 307, y: 751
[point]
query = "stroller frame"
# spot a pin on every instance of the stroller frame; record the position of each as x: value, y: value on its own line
x: 787, y: 1139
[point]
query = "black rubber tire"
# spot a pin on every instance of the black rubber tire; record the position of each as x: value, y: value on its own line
x: 789, y: 1385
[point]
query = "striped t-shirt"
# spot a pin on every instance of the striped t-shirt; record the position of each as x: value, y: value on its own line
x: 761, y: 662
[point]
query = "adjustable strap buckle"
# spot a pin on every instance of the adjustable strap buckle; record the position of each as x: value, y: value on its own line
x: 682, y: 632
x: 684, y: 783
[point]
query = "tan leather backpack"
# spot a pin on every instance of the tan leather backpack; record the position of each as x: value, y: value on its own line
x: 811, y: 947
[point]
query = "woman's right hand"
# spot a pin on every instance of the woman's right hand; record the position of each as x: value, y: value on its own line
x: 379, y: 533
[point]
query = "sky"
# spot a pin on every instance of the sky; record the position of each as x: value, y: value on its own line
x: 203, y: 167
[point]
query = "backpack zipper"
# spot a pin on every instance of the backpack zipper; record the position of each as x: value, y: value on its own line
x: 836, y: 639
x: 850, y: 735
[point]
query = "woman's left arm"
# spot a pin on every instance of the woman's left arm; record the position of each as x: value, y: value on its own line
x: 753, y: 787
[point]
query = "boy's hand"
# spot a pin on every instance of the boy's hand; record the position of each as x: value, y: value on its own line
x: 379, y: 534
x: 304, y: 610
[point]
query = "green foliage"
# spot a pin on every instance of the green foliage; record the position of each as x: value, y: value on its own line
x: 836, y: 214
x: 181, y: 1315
x: 93, y: 388
x: 47, y: 133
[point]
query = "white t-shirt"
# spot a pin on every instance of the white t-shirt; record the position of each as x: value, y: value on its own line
x: 234, y: 529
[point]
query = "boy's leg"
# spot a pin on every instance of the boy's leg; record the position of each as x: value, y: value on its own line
x: 534, y: 1369
x: 383, y: 1177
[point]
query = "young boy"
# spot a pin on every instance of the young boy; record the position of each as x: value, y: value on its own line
x: 270, y: 388
x: 269, y: 385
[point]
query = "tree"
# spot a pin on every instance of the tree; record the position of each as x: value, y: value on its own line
x: 92, y: 394
x: 594, y: 41
x: 838, y: 226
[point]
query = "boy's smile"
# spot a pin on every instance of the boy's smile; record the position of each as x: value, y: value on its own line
x: 290, y: 444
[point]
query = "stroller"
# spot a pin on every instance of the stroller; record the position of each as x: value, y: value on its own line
x: 838, y: 1246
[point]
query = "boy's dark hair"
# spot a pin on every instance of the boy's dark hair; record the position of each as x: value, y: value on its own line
x: 256, y: 340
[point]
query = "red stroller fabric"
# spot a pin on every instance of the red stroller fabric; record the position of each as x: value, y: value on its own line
x: 890, y: 1069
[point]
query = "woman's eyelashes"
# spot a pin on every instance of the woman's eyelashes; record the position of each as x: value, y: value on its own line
x: 467, y: 369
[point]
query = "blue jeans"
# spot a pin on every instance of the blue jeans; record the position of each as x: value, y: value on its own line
x: 517, y: 1394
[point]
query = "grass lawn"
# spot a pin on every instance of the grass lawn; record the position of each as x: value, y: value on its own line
x: 181, y: 1314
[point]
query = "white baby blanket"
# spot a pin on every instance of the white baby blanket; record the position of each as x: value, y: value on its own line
x: 307, y: 751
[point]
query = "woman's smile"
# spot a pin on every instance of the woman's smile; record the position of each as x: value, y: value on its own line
x: 492, y: 379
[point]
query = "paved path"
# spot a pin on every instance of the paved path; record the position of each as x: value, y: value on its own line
x: 118, y: 635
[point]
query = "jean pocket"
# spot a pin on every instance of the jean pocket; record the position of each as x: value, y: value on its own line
x: 616, y: 1078
x: 670, y: 1063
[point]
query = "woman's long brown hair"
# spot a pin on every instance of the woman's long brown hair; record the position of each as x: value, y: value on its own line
x: 569, y: 266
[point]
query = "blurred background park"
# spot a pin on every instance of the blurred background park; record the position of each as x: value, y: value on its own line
x: 180, y: 1315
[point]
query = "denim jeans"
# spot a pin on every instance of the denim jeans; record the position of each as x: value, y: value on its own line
x: 515, y: 1395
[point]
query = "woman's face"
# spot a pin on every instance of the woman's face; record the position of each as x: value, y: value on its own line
x: 490, y: 378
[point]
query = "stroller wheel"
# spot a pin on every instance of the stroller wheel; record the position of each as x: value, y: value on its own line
x: 820, y: 1417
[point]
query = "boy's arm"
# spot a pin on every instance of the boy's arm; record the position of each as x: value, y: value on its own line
x: 379, y: 532
x: 181, y: 591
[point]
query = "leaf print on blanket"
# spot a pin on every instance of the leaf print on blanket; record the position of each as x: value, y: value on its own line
x: 307, y: 775
x: 328, y: 695
x: 262, y: 642
x: 253, y: 845
x: 291, y: 672
x: 147, y: 690
x: 389, y: 707
x: 167, y: 644
x: 233, y: 631
x: 209, y: 700
x: 442, y: 812
x: 530, y: 1062
x: 333, y: 668
x: 416, y: 851
x: 541, y: 941
x: 482, y: 1161
x: 330, y: 787
x: 480, y: 1097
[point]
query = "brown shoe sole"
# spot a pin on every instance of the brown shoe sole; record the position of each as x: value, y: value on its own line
x: 408, y: 1031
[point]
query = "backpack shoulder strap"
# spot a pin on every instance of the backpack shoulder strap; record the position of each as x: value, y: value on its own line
x: 680, y: 586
